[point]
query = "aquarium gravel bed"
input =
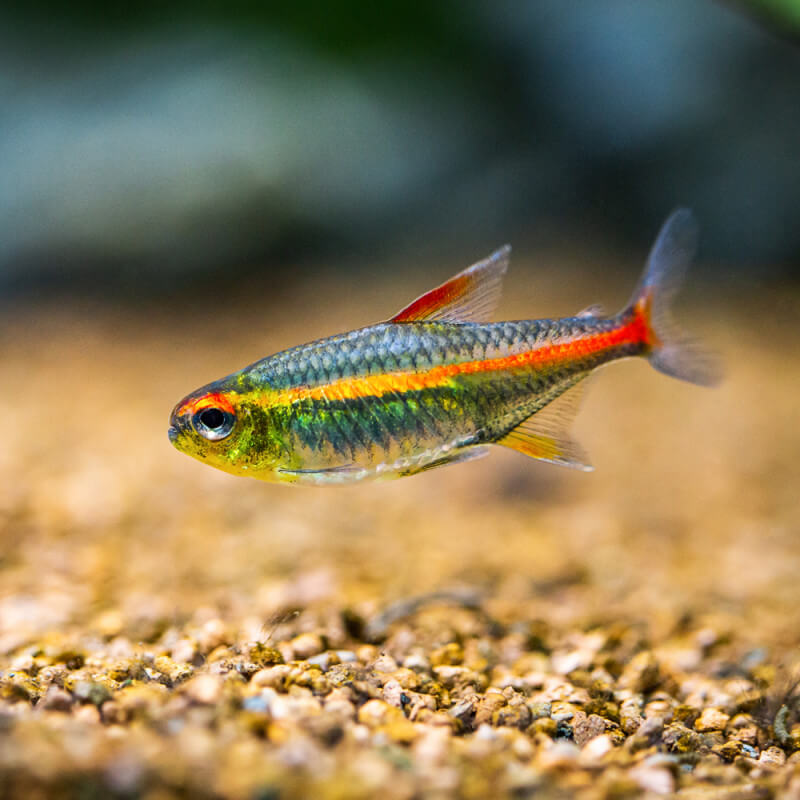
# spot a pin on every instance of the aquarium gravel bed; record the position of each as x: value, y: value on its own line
x: 446, y: 703
x: 497, y: 629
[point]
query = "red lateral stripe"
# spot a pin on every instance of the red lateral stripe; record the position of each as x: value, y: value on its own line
x: 633, y: 332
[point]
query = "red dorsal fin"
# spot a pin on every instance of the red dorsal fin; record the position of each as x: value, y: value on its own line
x: 470, y: 296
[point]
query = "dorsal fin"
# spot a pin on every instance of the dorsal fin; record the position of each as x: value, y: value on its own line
x: 545, y: 434
x: 470, y: 296
x: 594, y: 310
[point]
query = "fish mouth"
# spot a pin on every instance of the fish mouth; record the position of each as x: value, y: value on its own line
x: 172, y: 433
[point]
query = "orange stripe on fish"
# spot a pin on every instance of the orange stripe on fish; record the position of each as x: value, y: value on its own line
x: 633, y: 332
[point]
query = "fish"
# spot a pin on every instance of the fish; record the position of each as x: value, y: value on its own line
x: 438, y: 383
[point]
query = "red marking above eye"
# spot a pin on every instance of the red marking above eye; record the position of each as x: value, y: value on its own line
x: 211, y: 400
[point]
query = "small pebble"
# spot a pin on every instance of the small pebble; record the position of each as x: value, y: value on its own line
x: 772, y: 756
x: 560, y: 755
x: 384, y: 663
x: 642, y: 673
x: 204, y: 689
x: 487, y: 705
x: 377, y: 712
x: 630, y: 715
x: 91, y: 692
x: 711, y: 719
x: 654, y: 779
x: 596, y: 749
x: 431, y: 746
x: 56, y: 699
x: 562, y: 712
x: 212, y: 635
x: 346, y: 656
x: 87, y: 713
x: 307, y: 644
x: 272, y: 676
x: 324, y: 660
x: 418, y: 662
x: 184, y: 651
x: 650, y: 730
x: 585, y: 728
x: 394, y: 694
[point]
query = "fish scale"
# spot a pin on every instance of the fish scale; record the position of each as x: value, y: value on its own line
x: 436, y: 383
x: 478, y: 400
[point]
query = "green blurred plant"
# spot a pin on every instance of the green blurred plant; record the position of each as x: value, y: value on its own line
x: 784, y: 15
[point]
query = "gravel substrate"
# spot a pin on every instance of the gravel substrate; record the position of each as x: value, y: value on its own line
x: 451, y: 702
x: 499, y: 629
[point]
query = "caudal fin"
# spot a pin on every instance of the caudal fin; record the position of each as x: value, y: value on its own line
x: 670, y: 351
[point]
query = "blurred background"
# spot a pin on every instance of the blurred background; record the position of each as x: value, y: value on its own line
x: 199, y: 142
x: 187, y: 188
x: 185, y: 191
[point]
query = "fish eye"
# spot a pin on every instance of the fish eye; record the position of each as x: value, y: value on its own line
x: 213, y: 423
x: 212, y: 418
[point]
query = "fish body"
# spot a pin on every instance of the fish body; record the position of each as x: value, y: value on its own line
x: 434, y: 385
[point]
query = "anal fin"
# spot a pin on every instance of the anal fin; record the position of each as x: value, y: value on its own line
x: 545, y: 434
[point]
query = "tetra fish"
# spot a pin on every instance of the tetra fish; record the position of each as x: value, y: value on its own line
x: 437, y: 383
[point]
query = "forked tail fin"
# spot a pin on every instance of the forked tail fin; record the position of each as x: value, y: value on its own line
x: 670, y: 351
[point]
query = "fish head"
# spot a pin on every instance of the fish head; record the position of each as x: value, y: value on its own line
x: 214, y: 424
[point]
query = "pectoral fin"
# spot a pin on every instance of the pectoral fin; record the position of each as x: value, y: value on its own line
x: 344, y: 469
x: 545, y: 434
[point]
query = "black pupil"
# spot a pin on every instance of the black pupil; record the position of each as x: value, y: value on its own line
x: 212, y: 418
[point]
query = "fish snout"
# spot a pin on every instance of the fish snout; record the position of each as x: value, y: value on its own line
x: 178, y: 424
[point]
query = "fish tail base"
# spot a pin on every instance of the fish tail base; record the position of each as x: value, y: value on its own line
x: 668, y: 349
